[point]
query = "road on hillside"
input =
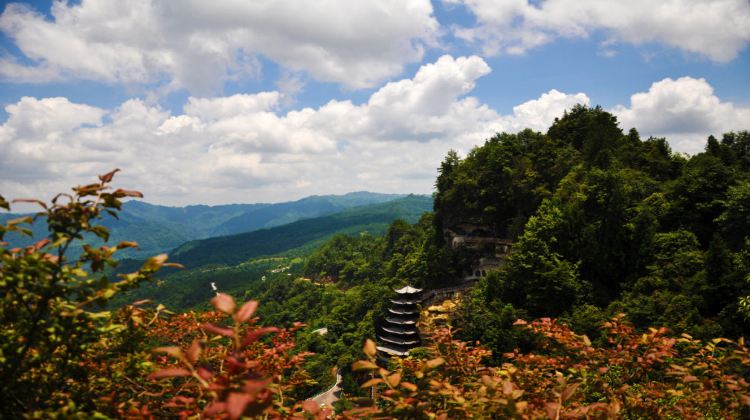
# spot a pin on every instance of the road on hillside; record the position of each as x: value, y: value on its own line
x: 331, y: 395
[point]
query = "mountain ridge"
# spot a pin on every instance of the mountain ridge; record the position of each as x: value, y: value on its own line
x: 157, y: 228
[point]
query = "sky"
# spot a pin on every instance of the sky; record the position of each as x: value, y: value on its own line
x: 230, y: 101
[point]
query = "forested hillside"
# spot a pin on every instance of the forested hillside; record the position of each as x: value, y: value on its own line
x: 236, y: 263
x: 237, y: 248
x: 605, y: 222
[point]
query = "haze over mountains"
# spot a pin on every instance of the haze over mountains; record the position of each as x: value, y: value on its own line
x: 159, y: 228
x: 234, y: 249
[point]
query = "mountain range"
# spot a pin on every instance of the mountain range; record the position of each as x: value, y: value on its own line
x: 159, y: 228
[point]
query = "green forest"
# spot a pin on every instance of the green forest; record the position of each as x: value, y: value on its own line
x: 628, y: 261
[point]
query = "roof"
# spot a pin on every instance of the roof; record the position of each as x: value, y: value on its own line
x: 408, y: 290
x: 391, y: 351
x: 395, y: 330
x: 398, y: 341
x: 405, y: 301
x: 403, y: 312
x: 399, y: 321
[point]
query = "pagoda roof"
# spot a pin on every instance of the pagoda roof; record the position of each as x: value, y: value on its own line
x: 408, y: 290
x: 402, y: 312
x: 405, y: 301
x: 391, y: 351
x: 399, y: 321
x: 398, y: 341
x: 395, y: 330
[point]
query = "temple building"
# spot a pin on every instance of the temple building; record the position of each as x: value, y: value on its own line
x: 398, y: 332
x: 491, y: 250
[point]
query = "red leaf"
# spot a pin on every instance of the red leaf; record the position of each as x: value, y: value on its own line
x: 173, y: 351
x: 246, y: 311
x: 364, y: 365
x: 253, y: 387
x: 140, y: 302
x: 169, y: 373
x: 311, y: 407
x: 432, y: 364
x: 154, y: 263
x: 369, y: 348
x: 127, y: 193
x: 253, y: 336
x: 226, y: 332
x: 224, y: 303
x: 127, y: 244
x: 173, y: 265
x: 409, y: 386
x: 552, y: 409
x: 194, y: 351
x: 374, y: 381
x: 568, y: 392
x: 204, y: 373
x: 30, y: 200
x: 215, y: 408
x: 236, y: 403
x: 108, y: 176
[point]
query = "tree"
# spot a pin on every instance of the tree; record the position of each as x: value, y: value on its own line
x: 51, y: 307
x: 536, y: 277
x: 592, y: 131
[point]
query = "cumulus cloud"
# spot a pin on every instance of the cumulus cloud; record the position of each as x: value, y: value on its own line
x: 717, y: 29
x: 685, y: 111
x: 240, y: 148
x: 198, y: 45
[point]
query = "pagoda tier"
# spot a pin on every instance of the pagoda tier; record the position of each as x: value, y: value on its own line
x: 392, y: 351
x: 398, y: 341
x: 396, y: 346
x: 399, y: 331
x: 408, y: 290
x: 400, y: 321
x: 406, y: 301
x: 403, y: 312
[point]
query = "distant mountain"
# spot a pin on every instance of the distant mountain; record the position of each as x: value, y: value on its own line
x: 160, y: 228
x: 283, y: 213
x: 233, y: 262
x: 234, y: 249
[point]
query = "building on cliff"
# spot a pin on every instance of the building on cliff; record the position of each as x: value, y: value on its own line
x: 490, y: 249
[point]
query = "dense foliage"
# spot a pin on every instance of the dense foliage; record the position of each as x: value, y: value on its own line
x: 605, y: 222
x: 50, y: 306
x: 631, y: 375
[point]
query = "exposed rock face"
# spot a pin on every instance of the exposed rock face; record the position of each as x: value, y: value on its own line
x: 492, y: 250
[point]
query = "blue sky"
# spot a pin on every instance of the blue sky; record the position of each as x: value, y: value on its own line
x: 218, y: 102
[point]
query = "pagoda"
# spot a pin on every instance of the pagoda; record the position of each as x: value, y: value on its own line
x: 398, y: 331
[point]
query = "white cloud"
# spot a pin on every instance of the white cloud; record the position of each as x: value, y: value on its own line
x: 538, y: 114
x: 242, y: 149
x: 685, y: 111
x: 198, y: 45
x: 717, y: 29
